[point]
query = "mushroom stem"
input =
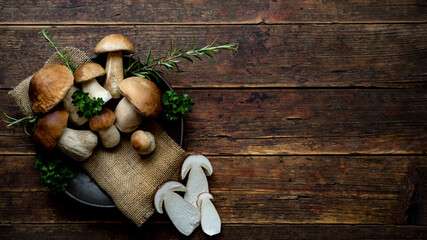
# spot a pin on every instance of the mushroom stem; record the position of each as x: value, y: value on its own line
x: 197, y: 183
x: 95, y: 90
x: 110, y: 136
x: 75, y: 119
x: 127, y: 118
x: 114, y: 72
x: 77, y: 144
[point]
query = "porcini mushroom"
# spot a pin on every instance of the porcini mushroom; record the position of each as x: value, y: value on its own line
x: 209, y: 217
x: 141, y: 97
x: 51, y: 131
x: 86, y: 74
x: 196, y: 182
x: 143, y: 142
x: 183, y: 215
x: 48, y: 87
x: 114, y: 44
x: 104, y: 125
x: 77, y: 144
x: 75, y: 119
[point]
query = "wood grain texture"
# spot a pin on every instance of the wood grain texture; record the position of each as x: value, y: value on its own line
x: 203, y: 11
x: 289, y: 121
x: 229, y: 231
x: 253, y: 190
x: 360, y: 55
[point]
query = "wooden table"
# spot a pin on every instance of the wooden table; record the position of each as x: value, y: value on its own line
x: 316, y: 128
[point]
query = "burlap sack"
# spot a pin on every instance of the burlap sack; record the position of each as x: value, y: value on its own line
x: 129, y: 178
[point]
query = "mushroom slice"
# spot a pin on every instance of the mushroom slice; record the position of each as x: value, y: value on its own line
x: 77, y: 144
x: 210, y: 220
x: 182, y: 214
x: 197, y: 182
x: 114, y: 44
x: 86, y: 75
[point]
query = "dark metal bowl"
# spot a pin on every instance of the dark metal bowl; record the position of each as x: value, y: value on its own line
x: 83, y: 189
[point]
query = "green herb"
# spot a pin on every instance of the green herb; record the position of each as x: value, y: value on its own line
x: 175, y: 106
x: 55, y: 173
x: 12, y: 122
x: 63, y: 54
x: 170, y: 59
x: 87, y: 107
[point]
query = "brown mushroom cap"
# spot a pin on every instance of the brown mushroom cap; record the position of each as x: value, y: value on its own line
x: 102, y: 121
x: 49, y: 129
x: 48, y: 87
x: 114, y: 42
x: 88, y: 71
x: 144, y: 95
x: 143, y: 142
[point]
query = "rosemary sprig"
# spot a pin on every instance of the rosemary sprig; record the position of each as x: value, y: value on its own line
x: 63, y: 54
x: 13, y: 122
x: 170, y: 59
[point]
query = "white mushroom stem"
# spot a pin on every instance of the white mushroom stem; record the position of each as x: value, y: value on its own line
x: 127, y: 118
x: 95, y: 90
x: 197, y: 182
x: 110, y: 136
x: 114, y: 73
x: 210, y: 220
x: 75, y: 119
x: 77, y: 144
x: 183, y: 215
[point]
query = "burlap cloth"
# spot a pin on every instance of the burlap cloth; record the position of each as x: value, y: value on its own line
x: 129, y: 178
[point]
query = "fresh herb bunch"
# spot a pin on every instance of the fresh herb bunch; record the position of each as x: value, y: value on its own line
x: 170, y: 59
x: 175, y: 106
x: 55, y: 173
x: 87, y: 107
x: 63, y: 54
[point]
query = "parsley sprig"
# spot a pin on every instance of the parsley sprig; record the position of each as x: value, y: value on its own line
x: 87, y: 107
x: 169, y: 60
x: 175, y: 106
x: 63, y: 54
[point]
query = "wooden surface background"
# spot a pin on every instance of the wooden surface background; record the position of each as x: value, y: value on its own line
x: 316, y: 128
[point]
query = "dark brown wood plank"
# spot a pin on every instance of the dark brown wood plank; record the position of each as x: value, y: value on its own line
x: 258, y: 190
x: 203, y: 11
x: 228, y: 231
x: 290, y: 121
x: 362, y: 55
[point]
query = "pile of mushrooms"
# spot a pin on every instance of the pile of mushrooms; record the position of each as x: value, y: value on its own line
x: 196, y: 207
x: 59, y: 125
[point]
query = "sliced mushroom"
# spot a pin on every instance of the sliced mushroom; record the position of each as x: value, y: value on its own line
x: 86, y: 75
x: 142, y: 97
x: 209, y: 217
x: 182, y: 214
x: 48, y: 87
x: 143, y: 142
x: 104, y: 125
x: 74, y: 119
x: 114, y: 44
x: 197, y: 182
x: 77, y: 144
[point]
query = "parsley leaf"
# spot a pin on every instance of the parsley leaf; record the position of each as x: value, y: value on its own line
x: 175, y: 106
x: 87, y: 107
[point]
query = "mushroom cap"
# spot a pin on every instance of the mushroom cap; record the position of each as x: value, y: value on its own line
x: 102, y: 121
x: 88, y: 71
x: 196, y: 160
x: 143, y: 142
x: 49, y: 129
x: 144, y: 95
x: 48, y: 87
x: 114, y: 42
x: 163, y: 188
